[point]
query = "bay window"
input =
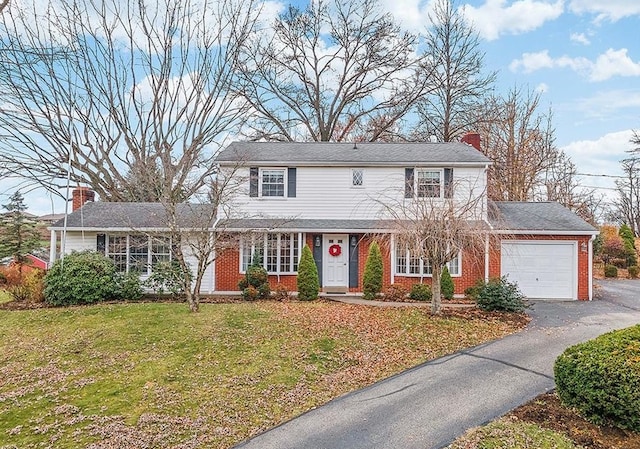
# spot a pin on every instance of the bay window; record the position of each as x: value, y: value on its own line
x: 408, y: 264
x: 279, y: 252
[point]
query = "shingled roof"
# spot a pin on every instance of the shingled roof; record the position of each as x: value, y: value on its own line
x: 361, y: 153
x: 547, y: 217
x: 143, y: 216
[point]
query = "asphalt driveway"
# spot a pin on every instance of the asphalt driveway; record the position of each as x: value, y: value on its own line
x: 430, y: 405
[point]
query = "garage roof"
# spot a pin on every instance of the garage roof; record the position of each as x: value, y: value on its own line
x: 536, y: 218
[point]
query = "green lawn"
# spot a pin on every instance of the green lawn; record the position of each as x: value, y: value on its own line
x: 155, y: 375
x: 5, y: 297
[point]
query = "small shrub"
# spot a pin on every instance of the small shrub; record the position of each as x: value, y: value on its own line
x: 446, y: 284
x: 166, y: 277
x: 255, y: 284
x: 308, y: 280
x: 396, y: 292
x: 19, y: 293
x: 420, y: 292
x: 281, y: 293
x: 373, y: 272
x: 601, y: 378
x: 473, y: 291
x: 610, y: 271
x: 500, y: 294
x: 618, y: 262
x: 3, y: 278
x: 34, y: 283
x: 12, y: 274
x: 80, y: 278
x: 634, y: 270
x: 128, y: 286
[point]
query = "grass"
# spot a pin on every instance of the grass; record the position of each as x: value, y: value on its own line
x: 5, y: 297
x: 509, y: 434
x: 155, y: 375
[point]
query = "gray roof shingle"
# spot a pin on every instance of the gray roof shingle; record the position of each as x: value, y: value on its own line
x: 337, y: 153
x: 536, y: 216
x: 102, y: 215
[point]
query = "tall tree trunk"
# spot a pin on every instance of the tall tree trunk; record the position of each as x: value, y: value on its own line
x: 436, y: 300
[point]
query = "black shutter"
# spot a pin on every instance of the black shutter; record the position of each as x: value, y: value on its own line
x: 448, y: 182
x: 408, y: 183
x: 291, y: 182
x: 317, y: 254
x: 253, y: 181
x: 353, y: 260
x: 101, y: 243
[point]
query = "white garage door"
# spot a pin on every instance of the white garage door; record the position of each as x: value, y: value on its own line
x: 542, y: 270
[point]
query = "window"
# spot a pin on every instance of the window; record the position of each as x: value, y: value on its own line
x: 272, y: 182
x: 409, y: 265
x: 137, y: 252
x: 428, y: 183
x: 279, y: 252
x: 357, y: 177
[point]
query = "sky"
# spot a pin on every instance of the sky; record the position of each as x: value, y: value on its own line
x: 583, y: 56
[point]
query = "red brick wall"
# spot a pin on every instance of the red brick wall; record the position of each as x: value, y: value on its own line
x: 583, y: 257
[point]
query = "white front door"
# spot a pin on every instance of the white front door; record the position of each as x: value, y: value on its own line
x: 335, y: 260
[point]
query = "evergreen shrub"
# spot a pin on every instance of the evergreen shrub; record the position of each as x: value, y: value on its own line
x: 80, y: 278
x: 420, y: 292
x: 373, y: 271
x: 500, y: 294
x: 634, y: 270
x: 446, y: 284
x: 601, y: 378
x: 308, y: 280
x: 610, y: 271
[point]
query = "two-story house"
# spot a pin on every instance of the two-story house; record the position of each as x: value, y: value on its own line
x: 339, y: 197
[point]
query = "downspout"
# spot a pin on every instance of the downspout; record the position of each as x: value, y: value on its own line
x: 392, y: 253
x: 213, y: 264
x: 487, y: 251
x: 591, y: 267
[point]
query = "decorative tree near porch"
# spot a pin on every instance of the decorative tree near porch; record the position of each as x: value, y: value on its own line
x: 308, y: 281
x: 436, y: 230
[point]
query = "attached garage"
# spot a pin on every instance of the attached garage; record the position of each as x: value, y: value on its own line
x: 543, y: 247
x: 542, y: 269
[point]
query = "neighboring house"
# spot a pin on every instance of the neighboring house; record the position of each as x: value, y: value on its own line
x: 335, y: 197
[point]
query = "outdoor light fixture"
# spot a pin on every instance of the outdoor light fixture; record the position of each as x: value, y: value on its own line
x: 353, y: 240
x: 583, y: 247
x: 317, y: 241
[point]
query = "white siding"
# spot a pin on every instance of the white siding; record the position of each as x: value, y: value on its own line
x: 327, y: 193
x: 76, y: 241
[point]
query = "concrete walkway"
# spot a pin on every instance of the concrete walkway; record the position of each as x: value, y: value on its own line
x: 430, y: 405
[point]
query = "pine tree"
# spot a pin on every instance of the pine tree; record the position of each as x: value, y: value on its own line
x: 628, y: 238
x: 446, y: 284
x: 18, y: 233
x: 308, y: 280
x: 372, y: 279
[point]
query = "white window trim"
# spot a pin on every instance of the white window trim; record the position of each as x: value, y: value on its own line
x: 416, y: 189
x: 361, y: 186
x: 127, y: 254
x: 284, y: 178
x: 296, y: 237
x: 418, y: 275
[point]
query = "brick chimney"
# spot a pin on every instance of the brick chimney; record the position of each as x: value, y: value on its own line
x: 80, y: 196
x: 472, y: 139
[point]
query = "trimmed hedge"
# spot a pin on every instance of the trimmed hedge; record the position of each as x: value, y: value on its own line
x: 610, y: 271
x: 601, y: 378
x: 500, y: 294
x: 308, y: 279
x: 446, y: 284
x: 373, y: 273
x: 420, y: 292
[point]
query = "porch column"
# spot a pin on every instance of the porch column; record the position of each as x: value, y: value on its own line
x: 392, y: 253
x: 591, y: 267
x: 486, y: 258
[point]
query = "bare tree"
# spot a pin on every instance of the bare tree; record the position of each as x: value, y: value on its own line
x: 627, y: 205
x: 436, y: 230
x: 561, y: 185
x: 520, y: 142
x: 459, y: 86
x: 329, y: 68
x: 3, y: 4
x: 106, y: 93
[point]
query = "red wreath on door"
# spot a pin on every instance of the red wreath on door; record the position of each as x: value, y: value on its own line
x: 335, y: 250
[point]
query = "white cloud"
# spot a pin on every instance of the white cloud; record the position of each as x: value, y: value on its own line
x: 611, y: 10
x: 580, y: 38
x: 542, y: 88
x: 609, y: 103
x: 607, y: 65
x: 496, y: 17
x: 412, y: 15
x: 600, y: 157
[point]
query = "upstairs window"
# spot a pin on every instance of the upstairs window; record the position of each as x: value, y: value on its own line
x: 272, y: 182
x: 357, y: 177
x: 429, y: 183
